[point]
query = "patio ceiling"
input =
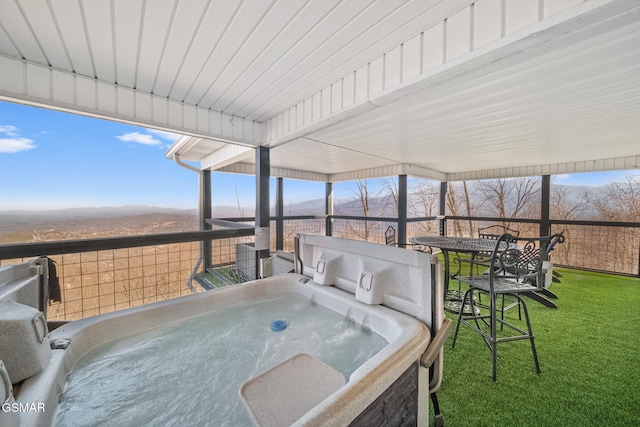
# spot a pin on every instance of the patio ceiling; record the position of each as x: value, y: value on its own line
x: 345, y: 89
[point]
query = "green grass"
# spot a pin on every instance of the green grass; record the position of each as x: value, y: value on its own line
x: 589, y: 352
x: 215, y: 281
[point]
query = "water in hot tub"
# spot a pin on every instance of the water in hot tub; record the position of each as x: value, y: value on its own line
x: 189, y: 373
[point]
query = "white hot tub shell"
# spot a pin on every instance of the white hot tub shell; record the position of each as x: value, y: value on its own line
x: 392, y: 291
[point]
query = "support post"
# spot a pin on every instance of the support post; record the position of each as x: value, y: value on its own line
x: 545, y: 206
x: 279, y: 213
x: 442, y: 208
x: 263, y: 170
x: 205, y: 212
x: 328, y: 208
x: 402, y: 211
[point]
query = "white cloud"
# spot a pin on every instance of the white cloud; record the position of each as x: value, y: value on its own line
x: 139, y: 138
x: 169, y: 136
x: 13, y: 145
x: 9, y: 130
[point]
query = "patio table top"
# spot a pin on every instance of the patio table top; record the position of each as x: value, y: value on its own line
x: 457, y: 244
x: 471, y: 245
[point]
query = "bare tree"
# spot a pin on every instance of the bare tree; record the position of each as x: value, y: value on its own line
x: 617, y: 246
x: 619, y: 201
x: 424, y: 202
x: 240, y: 210
x: 392, y: 198
x: 512, y: 197
x: 425, y: 198
x: 363, y: 196
x: 564, y: 206
x: 467, y: 204
x: 459, y: 204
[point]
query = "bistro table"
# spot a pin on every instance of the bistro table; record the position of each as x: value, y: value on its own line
x: 468, y: 245
x: 446, y: 244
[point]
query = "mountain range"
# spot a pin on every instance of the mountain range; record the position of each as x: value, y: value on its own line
x: 26, y: 225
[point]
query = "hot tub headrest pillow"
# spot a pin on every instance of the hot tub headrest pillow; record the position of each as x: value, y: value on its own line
x: 24, y: 341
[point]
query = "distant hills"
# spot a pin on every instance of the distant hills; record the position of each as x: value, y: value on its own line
x: 379, y: 206
x: 76, y: 223
x: 101, y: 212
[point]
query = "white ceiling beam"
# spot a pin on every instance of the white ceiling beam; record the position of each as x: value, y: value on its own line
x: 39, y: 85
x: 226, y: 155
x: 250, y: 169
x: 182, y: 145
x: 601, y: 165
x: 369, y: 173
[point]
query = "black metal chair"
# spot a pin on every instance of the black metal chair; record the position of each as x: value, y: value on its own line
x: 390, y: 239
x: 516, y: 271
x: 481, y: 260
x: 492, y: 232
x: 390, y: 236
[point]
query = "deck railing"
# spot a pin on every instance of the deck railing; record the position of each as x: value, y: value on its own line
x: 102, y: 275
x: 602, y: 246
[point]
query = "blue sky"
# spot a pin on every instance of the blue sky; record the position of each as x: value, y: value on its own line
x: 51, y: 159
x: 593, y: 179
x: 55, y: 160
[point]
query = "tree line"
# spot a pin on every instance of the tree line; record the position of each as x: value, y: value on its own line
x: 520, y: 197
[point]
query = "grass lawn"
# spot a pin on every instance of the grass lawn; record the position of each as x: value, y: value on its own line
x: 219, y: 280
x: 589, y: 352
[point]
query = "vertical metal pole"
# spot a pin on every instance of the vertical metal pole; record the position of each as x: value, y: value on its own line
x: 328, y: 208
x: 638, y: 275
x: 279, y: 213
x: 263, y: 171
x: 205, y: 213
x: 545, y: 206
x: 442, y: 208
x: 402, y: 210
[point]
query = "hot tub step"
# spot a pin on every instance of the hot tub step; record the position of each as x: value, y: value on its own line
x: 289, y: 390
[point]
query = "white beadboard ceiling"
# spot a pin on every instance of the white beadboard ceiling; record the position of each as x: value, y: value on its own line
x: 345, y: 89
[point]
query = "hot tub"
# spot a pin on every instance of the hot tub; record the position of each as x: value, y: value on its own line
x: 392, y: 292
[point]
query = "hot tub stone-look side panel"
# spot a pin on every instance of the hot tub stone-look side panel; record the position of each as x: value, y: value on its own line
x: 396, y: 406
